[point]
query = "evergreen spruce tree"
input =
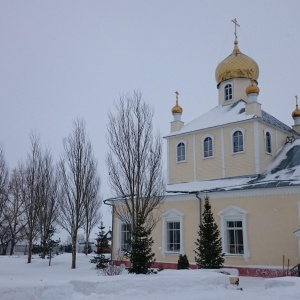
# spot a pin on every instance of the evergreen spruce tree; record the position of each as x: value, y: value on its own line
x: 140, y: 255
x: 183, y: 262
x: 48, y: 246
x: 102, y: 244
x: 209, y: 244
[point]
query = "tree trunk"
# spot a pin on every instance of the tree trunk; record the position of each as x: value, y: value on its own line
x: 74, y: 239
x: 29, y: 251
x: 86, y: 246
x: 12, y: 245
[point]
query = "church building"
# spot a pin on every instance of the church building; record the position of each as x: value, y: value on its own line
x: 248, y: 163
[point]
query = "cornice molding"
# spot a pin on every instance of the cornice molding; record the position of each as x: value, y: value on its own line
x: 290, y: 190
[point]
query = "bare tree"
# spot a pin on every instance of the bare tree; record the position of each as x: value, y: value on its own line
x: 77, y: 176
x: 48, y: 194
x: 135, y: 162
x: 92, y: 205
x: 32, y: 172
x: 16, y: 208
x: 4, y: 228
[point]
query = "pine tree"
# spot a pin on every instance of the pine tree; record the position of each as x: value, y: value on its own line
x: 47, y: 247
x: 209, y: 244
x: 183, y: 262
x: 141, y: 256
x: 102, y: 244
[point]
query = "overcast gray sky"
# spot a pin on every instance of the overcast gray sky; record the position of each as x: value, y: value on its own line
x: 66, y: 59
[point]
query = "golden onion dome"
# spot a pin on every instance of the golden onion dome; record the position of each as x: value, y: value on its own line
x: 177, y: 109
x: 252, y: 89
x: 296, y: 112
x: 236, y: 65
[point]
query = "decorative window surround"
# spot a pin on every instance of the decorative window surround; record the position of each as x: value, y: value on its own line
x: 232, y: 140
x: 228, y: 92
x: 172, y: 215
x: 121, y: 225
x: 234, y: 213
x: 257, y: 147
x: 207, y: 143
x: 181, y: 151
x: 268, y: 141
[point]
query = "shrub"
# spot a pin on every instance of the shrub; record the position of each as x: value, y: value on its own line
x: 183, y: 262
x: 112, y: 270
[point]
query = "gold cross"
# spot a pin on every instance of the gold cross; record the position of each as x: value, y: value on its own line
x: 296, y: 99
x: 235, y: 24
x: 176, y: 95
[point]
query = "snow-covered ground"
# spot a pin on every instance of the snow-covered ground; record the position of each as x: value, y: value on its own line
x: 37, y: 281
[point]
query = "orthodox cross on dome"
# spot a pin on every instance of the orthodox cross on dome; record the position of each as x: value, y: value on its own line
x: 177, y: 94
x: 296, y: 99
x: 235, y: 24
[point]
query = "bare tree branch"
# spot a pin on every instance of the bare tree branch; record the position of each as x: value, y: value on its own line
x: 16, y: 208
x: 4, y: 226
x: 135, y: 162
x: 92, y: 206
x: 32, y: 172
x: 48, y: 194
x: 78, y: 178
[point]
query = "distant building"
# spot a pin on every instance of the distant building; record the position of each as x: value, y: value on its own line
x: 247, y: 162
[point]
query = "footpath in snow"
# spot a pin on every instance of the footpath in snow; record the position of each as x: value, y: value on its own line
x: 38, y: 281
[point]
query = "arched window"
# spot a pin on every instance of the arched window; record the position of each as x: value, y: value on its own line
x: 180, y: 152
x: 238, y: 141
x: 268, y: 142
x: 207, y: 147
x: 228, y: 92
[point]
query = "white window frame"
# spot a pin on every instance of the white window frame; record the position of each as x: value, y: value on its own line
x: 172, y: 215
x: 185, y: 148
x: 267, y: 131
x: 212, y: 146
x: 232, y: 140
x: 234, y: 213
x: 230, y: 88
x: 120, y: 237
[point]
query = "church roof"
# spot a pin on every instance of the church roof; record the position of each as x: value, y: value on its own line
x: 223, y: 115
x: 284, y: 170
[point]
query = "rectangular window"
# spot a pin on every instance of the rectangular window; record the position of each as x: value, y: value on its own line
x: 125, y: 237
x: 173, y: 236
x: 235, y: 243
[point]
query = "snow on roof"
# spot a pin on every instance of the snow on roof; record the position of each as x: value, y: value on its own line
x: 208, y: 185
x: 286, y: 165
x: 284, y: 170
x: 223, y: 115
